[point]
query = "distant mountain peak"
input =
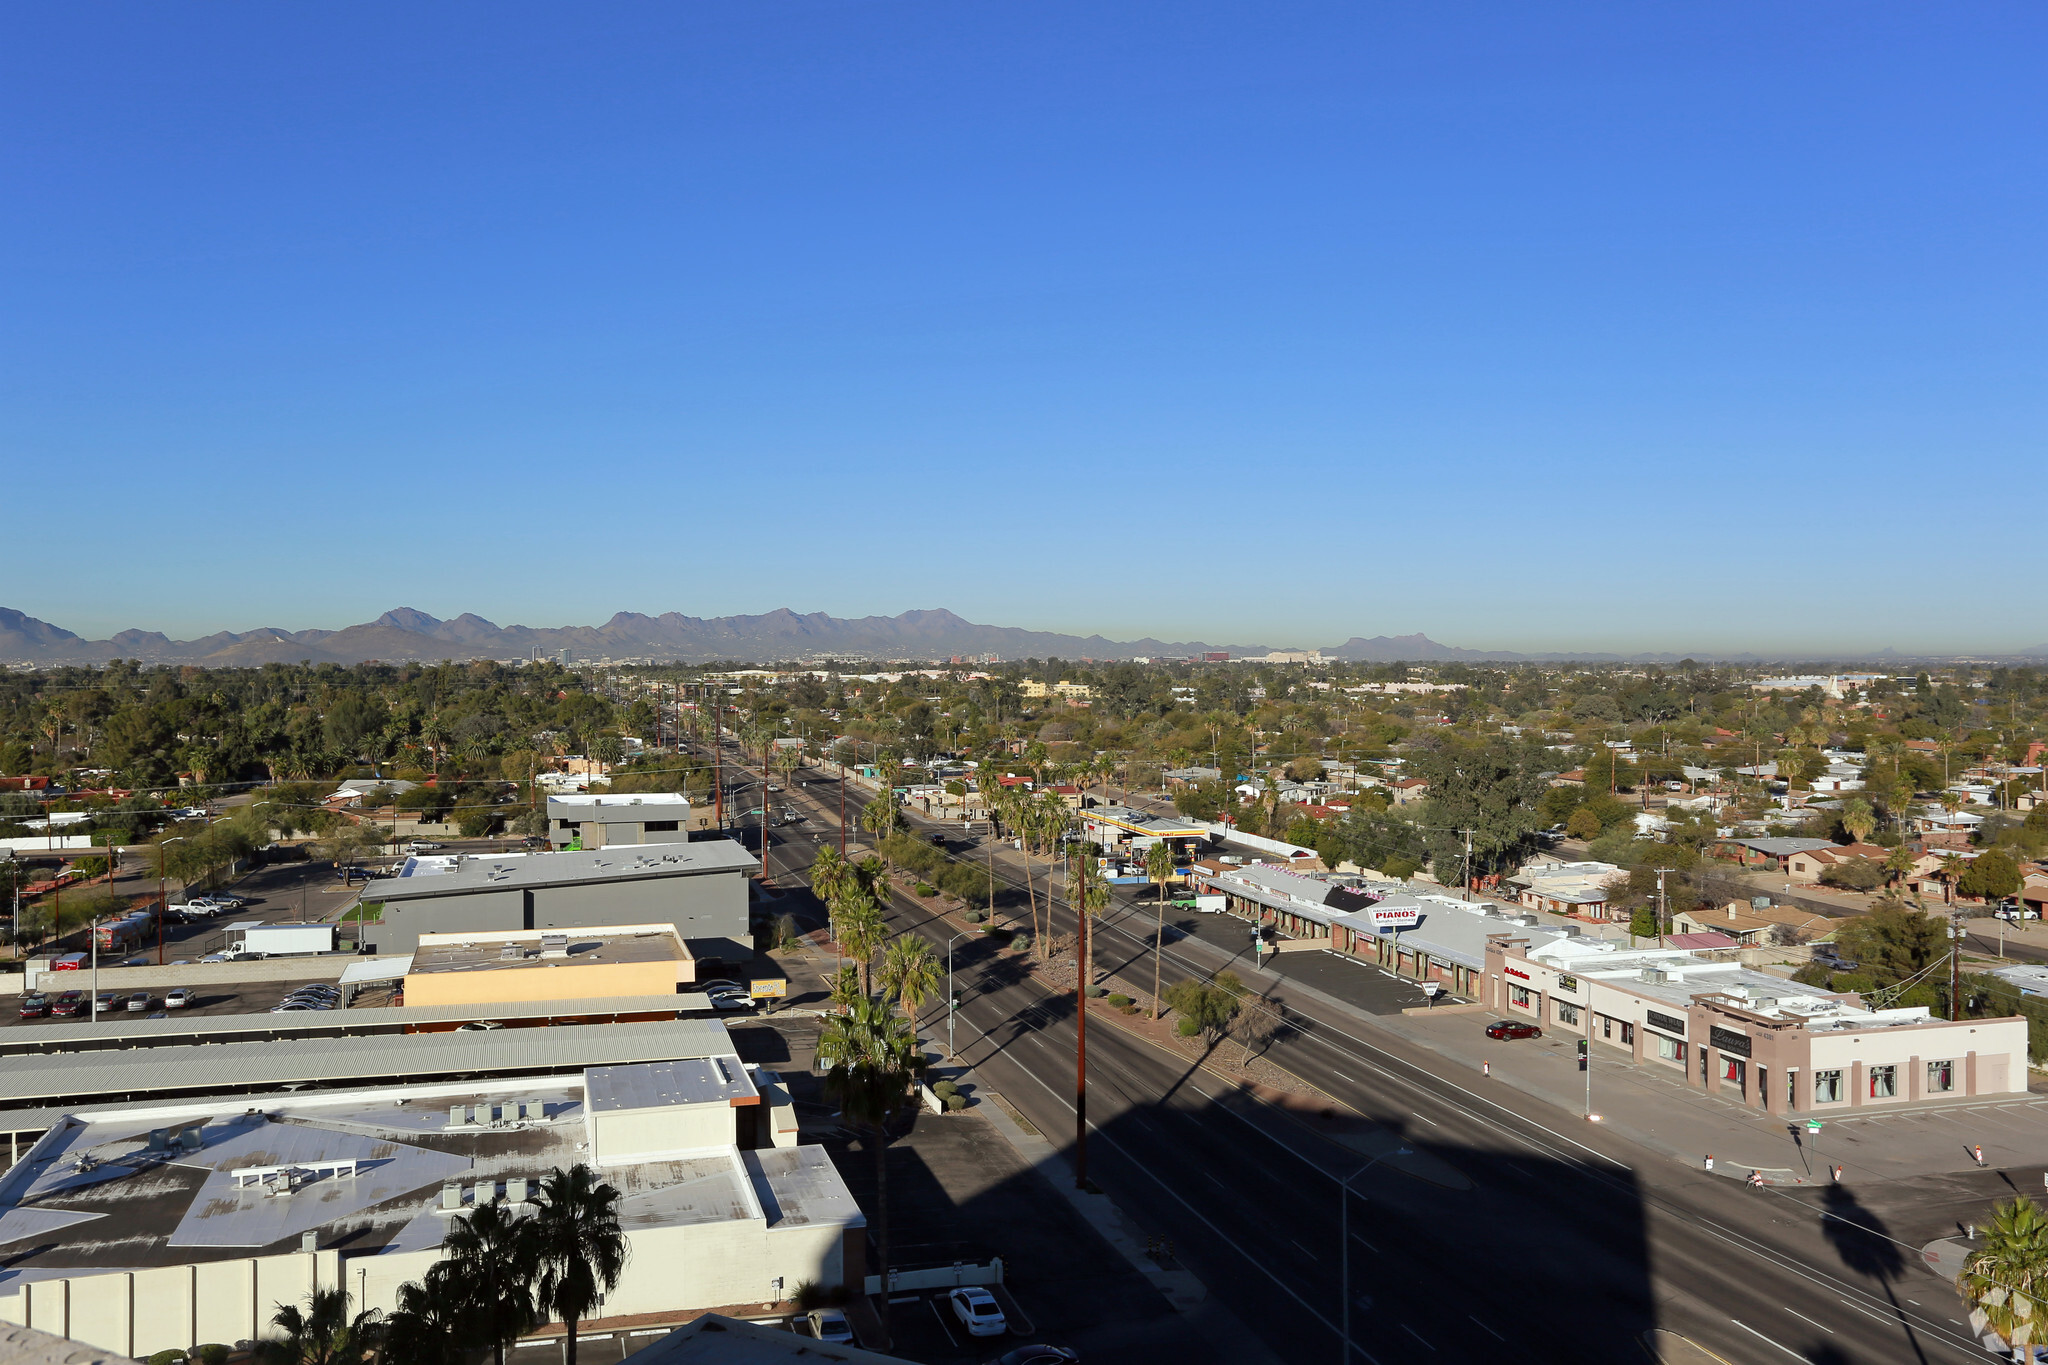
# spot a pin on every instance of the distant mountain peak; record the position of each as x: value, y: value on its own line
x: 409, y: 618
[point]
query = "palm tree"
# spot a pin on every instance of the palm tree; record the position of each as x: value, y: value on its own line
x: 1159, y: 867
x: 578, y: 1247
x: 2005, y: 1282
x: 489, y: 1255
x: 1858, y: 819
x: 1898, y: 863
x: 874, y: 1059
x: 323, y: 1334
x: 428, y: 1326
x: 910, y: 973
x: 861, y: 931
x: 1952, y: 865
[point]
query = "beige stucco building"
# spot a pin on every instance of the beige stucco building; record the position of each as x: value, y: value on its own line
x: 605, y: 962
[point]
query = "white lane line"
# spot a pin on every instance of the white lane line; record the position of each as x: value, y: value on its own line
x: 1367, y: 1245
x: 1803, y: 1318
x: 1304, y: 1250
x: 1417, y: 1335
x: 1342, y: 1077
x: 1211, y: 1176
x: 1761, y: 1337
x: 1427, y: 1119
x: 1484, y: 1328
x: 1878, y: 1317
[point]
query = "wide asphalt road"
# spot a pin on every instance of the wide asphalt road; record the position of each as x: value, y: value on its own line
x: 1568, y: 1243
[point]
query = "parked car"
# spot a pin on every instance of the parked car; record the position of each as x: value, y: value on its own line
x: 177, y: 997
x: 299, y: 1006
x: 139, y: 1002
x: 35, y: 1007
x: 107, y: 1002
x: 829, y: 1324
x: 421, y: 846
x: 730, y: 1000
x: 1512, y: 1028
x: 978, y: 1311
x: 1037, y: 1355
x: 69, y: 1005
x: 717, y: 983
x: 139, y: 960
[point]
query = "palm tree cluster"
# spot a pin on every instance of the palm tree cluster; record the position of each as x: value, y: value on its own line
x: 2005, y: 1281
x: 502, y: 1275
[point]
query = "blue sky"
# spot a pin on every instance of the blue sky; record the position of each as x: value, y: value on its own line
x: 1699, y: 326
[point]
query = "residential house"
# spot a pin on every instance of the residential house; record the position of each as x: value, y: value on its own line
x: 1409, y: 790
x: 1736, y: 919
x: 1807, y: 865
x: 1580, y: 889
x: 1769, y: 854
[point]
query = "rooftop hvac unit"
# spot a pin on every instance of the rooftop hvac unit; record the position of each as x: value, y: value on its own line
x: 554, y: 945
x: 1655, y: 976
x: 512, y: 950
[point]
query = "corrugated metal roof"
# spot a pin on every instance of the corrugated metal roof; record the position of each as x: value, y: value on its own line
x: 627, y: 862
x: 224, y: 1067
x: 176, y: 1029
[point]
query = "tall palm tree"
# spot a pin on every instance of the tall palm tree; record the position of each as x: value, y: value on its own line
x: 874, y: 1059
x: 490, y: 1257
x: 324, y: 1333
x: 1898, y: 863
x: 1858, y: 819
x: 910, y: 973
x: 578, y: 1247
x: 1159, y: 867
x: 861, y: 931
x: 2005, y: 1282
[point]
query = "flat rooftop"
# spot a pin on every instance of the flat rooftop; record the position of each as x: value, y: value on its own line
x: 364, y: 1170
x: 439, y: 876
x: 584, y: 948
x: 657, y: 1085
x: 629, y: 808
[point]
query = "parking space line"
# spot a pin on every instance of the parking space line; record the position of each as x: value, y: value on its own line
x: 1484, y: 1328
x: 1417, y: 1335
x: 933, y: 1304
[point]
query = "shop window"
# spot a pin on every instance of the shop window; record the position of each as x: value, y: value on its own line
x: 1567, y: 1013
x: 1606, y: 1026
x: 1827, y: 1087
x: 1791, y: 1090
x: 1628, y: 1034
x: 1519, y: 995
x: 1884, y: 1082
x: 1941, y: 1077
x: 1670, y: 1049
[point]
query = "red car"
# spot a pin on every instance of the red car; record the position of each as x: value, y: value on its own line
x: 1513, y: 1028
x: 35, y: 1006
x: 69, y: 1005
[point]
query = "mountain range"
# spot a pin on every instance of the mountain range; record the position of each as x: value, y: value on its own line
x: 407, y: 634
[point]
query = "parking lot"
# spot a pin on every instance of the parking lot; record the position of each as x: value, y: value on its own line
x: 1365, y: 985
x: 246, y: 997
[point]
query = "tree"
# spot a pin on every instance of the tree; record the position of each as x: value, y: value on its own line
x: 1583, y: 824
x: 578, y: 1248
x: 1159, y: 869
x: 1991, y: 875
x: 1642, y: 922
x: 2005, y: 1281
x: 490, y: 1263
x: 1952, y: 865
x: 1893, y: 941
x: 873, y: 1059
x: 1205, y: 1006
x: 608, y: 750
x: 1898, y: 863
x: 324, y: 1334
x: 858, y: 925
x: 1858, y: 819
x: 427, y: 1326
x: 910, y: 973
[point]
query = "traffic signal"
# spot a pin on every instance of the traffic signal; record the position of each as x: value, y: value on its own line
x: 1585, y: 1054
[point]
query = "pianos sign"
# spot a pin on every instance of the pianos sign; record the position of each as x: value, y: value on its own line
x: 1387, y: 918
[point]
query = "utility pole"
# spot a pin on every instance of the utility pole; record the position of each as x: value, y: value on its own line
x: 717, y: 768
x: 1663, y: 907
x: 1957, y: 928
x: 1080, y: 1031
x: 1468, y: 864
x: 842, y: 810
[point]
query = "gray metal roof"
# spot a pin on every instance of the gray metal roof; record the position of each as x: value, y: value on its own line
x: 1782, y: 848
x: 179, y: 1029
x: 657, y: 1085
x: 1450, y: 931
x: 497, y: 872
x: 216, y: 1068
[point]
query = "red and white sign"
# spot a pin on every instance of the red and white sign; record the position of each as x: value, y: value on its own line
x: 1386, y: 917
x: 1516, y: 971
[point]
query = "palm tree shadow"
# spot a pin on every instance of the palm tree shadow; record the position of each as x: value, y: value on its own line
x: 1865, y: 1246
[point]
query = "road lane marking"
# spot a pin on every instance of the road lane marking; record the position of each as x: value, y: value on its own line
x: 1488, y: 1330
x: 1803, y: 1318
x: 1761, y: 1337
x: 1878, y: 1317
x: 1417, y: 1335
x: 1367, y: 1245
x: 1427, y: 1119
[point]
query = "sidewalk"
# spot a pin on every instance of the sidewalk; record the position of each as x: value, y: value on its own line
x: 1652, y: 1106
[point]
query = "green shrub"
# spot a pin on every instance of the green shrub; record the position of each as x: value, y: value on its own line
x: 1119, y: 1000
x: 1188, y: 1028
x: 975, y: 916
x: 945, y: 1088
x: 213, y: 1353
x: 1097, y: 992
x: 1021, y: 942
x: 927, y: 889
x: 956, y: 1102
x: 170, y: 1355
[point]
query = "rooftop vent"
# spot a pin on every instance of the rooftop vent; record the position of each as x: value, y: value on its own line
x: 554, y: 945
x: 1655, y: 976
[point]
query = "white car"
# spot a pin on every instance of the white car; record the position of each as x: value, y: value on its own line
x: 177, y: 997
x: 978, y: 1311
x: 829, y: 1324
x: 421, y: 846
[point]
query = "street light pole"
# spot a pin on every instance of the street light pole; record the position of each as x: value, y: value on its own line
x: 163, y: 900
x: 952, y: 1000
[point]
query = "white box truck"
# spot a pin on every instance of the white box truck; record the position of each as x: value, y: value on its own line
x: 282, y: 940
